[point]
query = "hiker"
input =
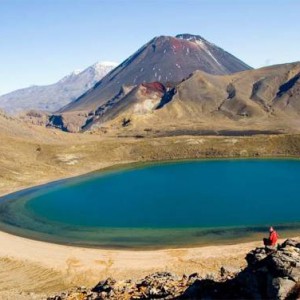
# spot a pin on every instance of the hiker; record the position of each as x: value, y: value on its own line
x: 273, y: 238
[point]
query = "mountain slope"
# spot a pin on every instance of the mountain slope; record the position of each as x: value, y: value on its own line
x: 165, y: 59
x: 52, y: 97
x: 264, y: 98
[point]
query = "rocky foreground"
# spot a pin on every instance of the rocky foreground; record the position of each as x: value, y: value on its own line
x: 270, y: 274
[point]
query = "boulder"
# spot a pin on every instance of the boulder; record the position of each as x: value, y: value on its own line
x: 271, y: 273
x: 229, y: 271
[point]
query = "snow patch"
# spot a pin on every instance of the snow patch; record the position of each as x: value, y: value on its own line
x: 107, y: 63
x: 205, y: 48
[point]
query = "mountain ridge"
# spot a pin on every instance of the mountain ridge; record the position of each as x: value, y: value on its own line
x: 164, y: 59
x: 263, y: 94
x: 265, y: 99
x: 53, y: 96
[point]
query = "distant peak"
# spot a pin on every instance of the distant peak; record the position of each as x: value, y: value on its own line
x: 72, y: 74
x: 159, y: 38
x: 184, y: 36
x: 75, y: 72
x: 104, y: 64
x: 190, y: 37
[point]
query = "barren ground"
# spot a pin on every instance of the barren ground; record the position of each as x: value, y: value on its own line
x: 31, y: 155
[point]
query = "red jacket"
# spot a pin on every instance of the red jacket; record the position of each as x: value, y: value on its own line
x: 273, y: 238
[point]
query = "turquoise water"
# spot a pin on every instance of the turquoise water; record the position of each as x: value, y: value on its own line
x: 172, y: 204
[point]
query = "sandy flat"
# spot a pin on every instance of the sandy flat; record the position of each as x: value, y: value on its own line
x: 33, y: 266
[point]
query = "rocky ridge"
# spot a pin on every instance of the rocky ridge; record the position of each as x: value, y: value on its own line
x: 270, y: 274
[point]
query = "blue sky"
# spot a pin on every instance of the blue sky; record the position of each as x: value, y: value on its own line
x: 43, y: 40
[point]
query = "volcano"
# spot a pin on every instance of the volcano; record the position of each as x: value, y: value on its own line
x: 164, y: 59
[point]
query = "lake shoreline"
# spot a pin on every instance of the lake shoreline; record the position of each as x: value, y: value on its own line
x: 32, y: 266
x: 239, y: 233
x: 45, y: 268
x: 70, y: 266
x: 251, y: 235
x: 131, y: 165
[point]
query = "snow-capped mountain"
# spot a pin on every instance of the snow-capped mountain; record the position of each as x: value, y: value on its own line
x: 52, y: 97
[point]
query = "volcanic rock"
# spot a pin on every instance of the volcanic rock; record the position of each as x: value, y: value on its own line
x: 270, y: 274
